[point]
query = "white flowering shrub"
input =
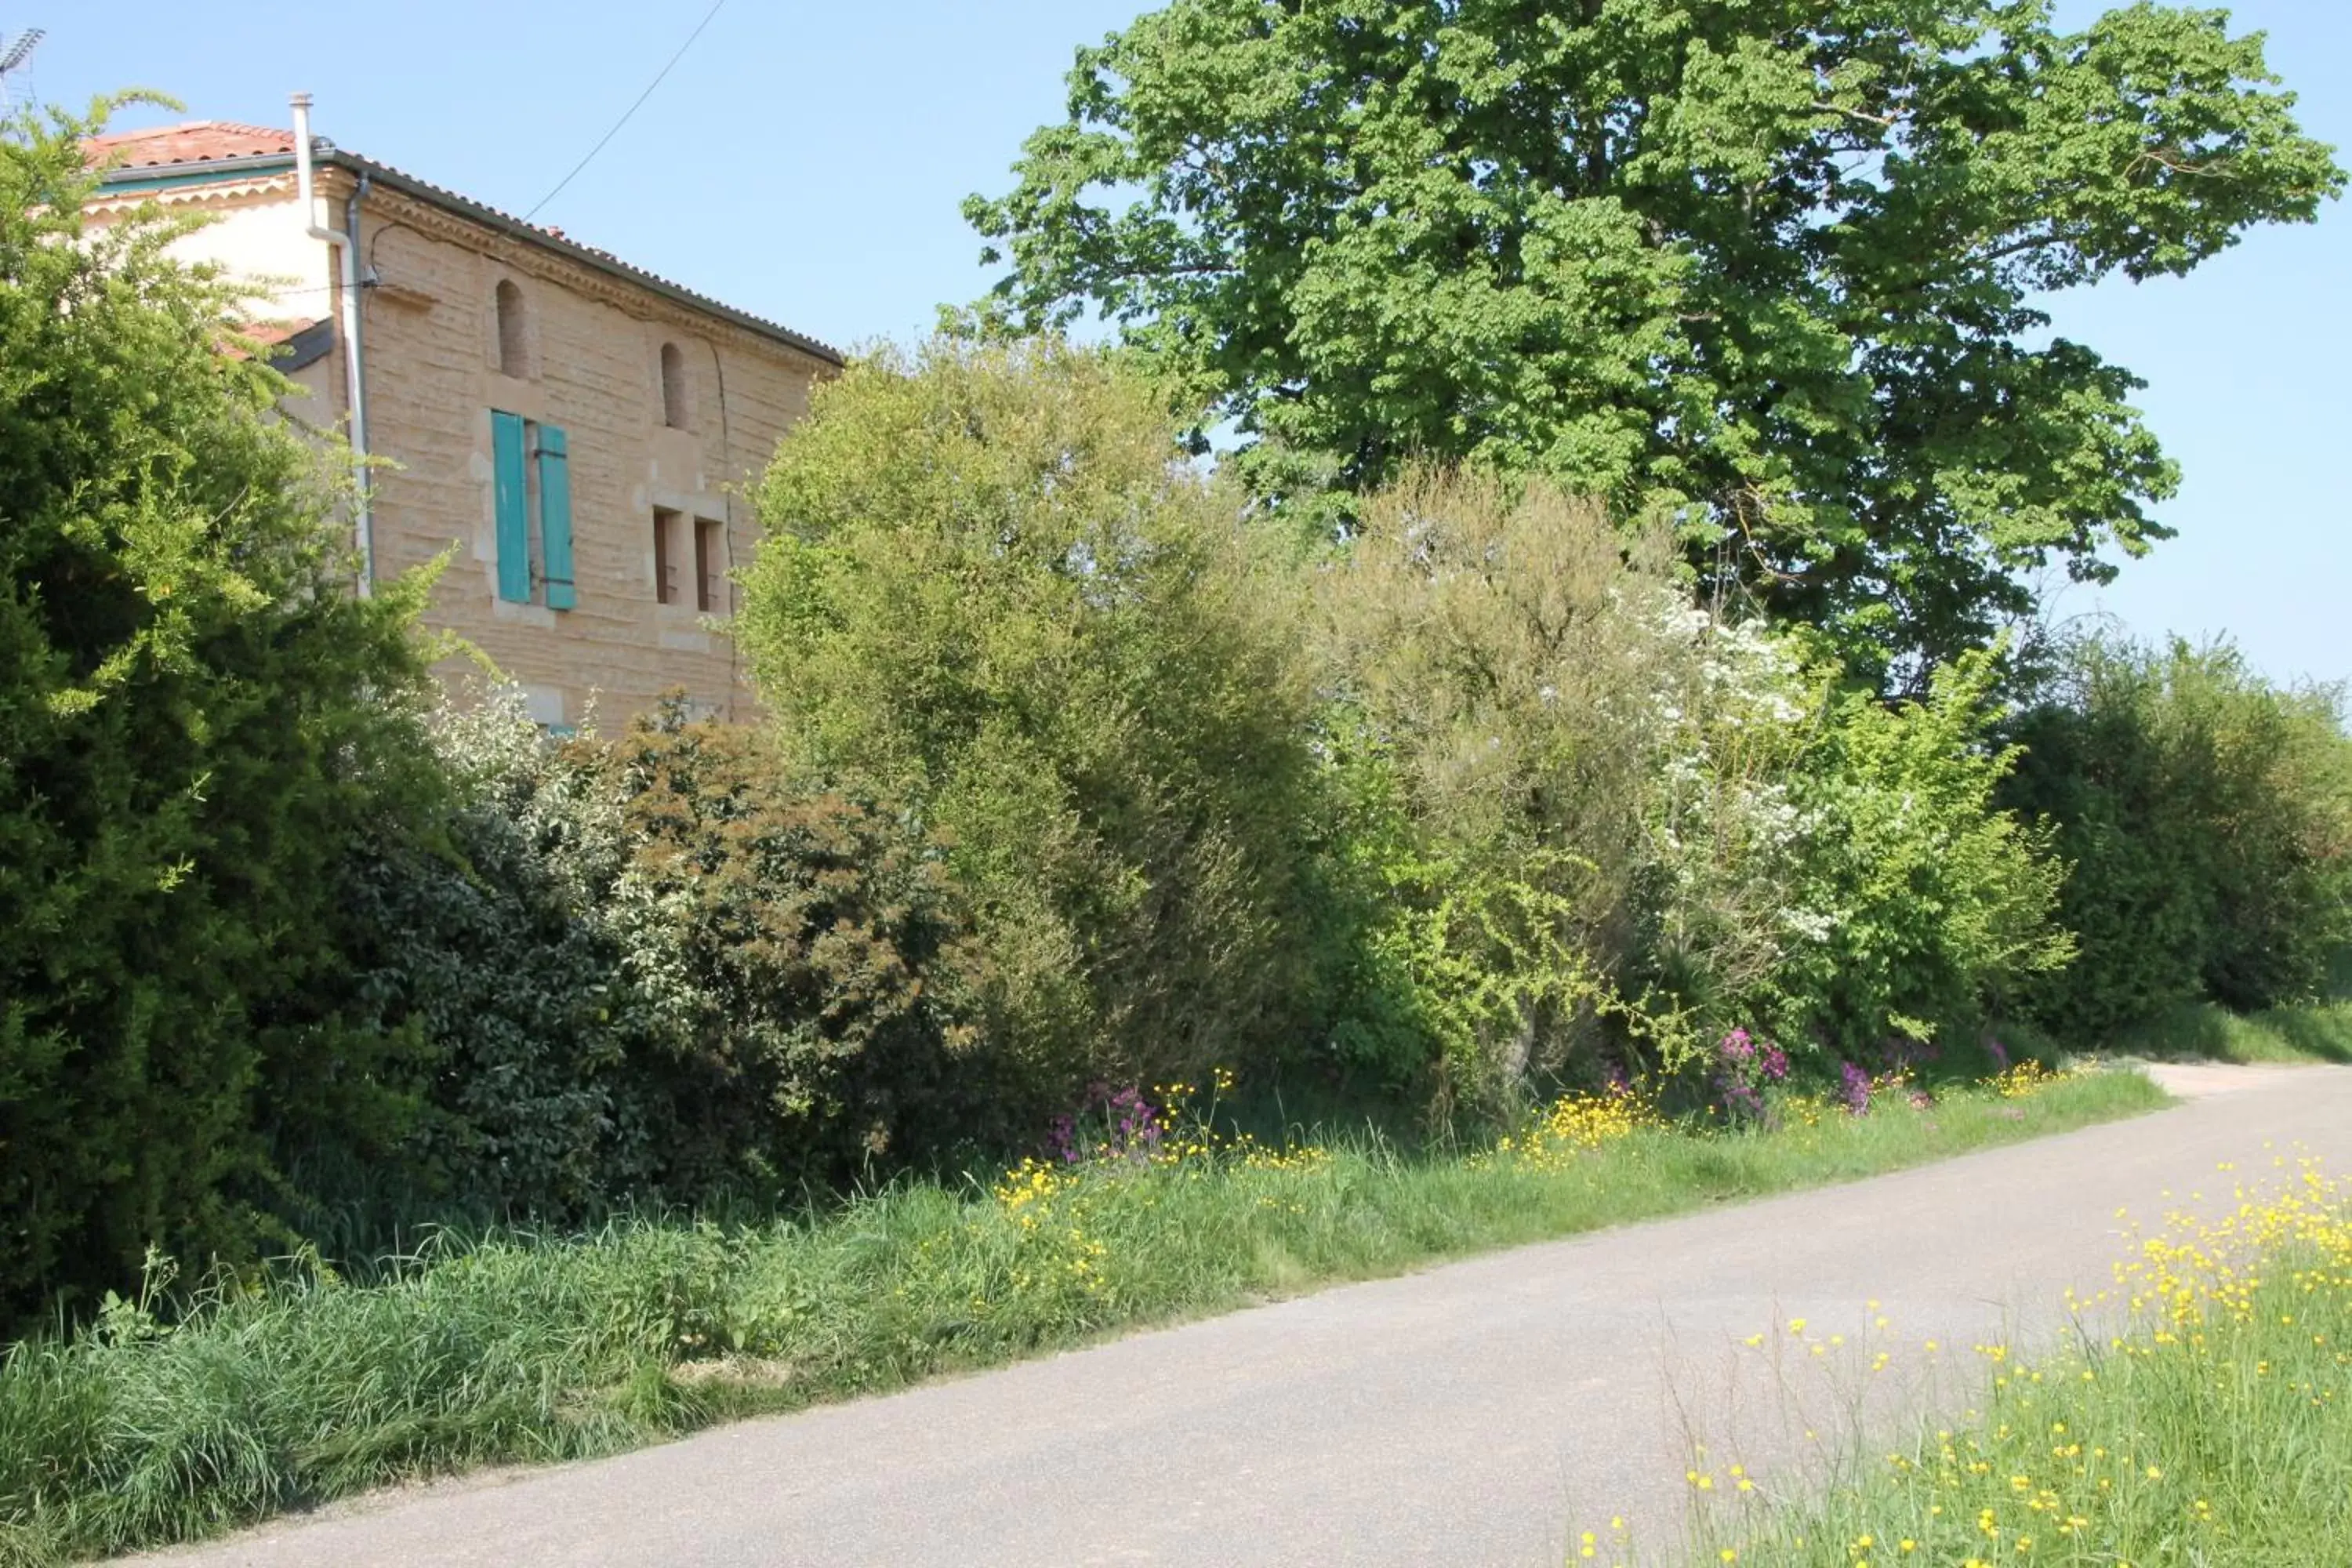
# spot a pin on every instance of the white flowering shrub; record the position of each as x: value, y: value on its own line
x: 1593, y: 827
x: 1726, y: 821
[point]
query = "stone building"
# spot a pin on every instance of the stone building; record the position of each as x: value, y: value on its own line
x: 576, y: 427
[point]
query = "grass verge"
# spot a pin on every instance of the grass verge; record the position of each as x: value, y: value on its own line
x: 246, y: 1403
x: 2213, y: 1429
x: 2316, y: 1032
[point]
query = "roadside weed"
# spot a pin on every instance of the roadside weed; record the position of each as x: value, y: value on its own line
x: 2196, y: 1417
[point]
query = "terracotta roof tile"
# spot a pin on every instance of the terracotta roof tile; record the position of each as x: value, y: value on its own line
x: 271, y: 334
x: 196, y: 142
x: 291, y: 345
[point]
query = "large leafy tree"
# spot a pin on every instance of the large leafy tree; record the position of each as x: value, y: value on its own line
x: 1771, y: 264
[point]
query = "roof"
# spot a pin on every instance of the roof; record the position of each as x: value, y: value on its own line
x: 196, y: 142
x: 292, y: 345
x: 187, y: 153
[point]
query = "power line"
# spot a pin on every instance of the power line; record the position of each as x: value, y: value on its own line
x: 707, y: 16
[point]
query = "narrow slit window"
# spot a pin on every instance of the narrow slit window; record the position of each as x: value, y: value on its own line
x: 514, y: 332
x: 710, y: 565
x: 676, y: 412
x: 667, y: 588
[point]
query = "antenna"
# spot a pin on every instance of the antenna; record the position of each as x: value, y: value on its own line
x: 13, y: 53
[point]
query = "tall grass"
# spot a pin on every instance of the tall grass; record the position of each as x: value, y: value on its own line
x: 161, y: 1425
x: 2312, y: 1032
x: 2212, y: 1430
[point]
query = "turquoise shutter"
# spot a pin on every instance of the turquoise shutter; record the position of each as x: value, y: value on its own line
x: 509, y: 488
x: 555, y: 517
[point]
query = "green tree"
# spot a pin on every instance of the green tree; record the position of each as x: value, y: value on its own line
x: 993, y: 594
x: 1939, y: 904
x: 1773, y: 265
x: 2209, y: 817
x: 196, y: 717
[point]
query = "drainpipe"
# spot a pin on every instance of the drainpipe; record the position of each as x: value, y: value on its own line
x: 345, y: 244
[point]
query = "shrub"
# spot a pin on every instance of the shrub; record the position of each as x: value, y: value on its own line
x: 646, y: 969
x: 196, y: 716
x: 1934, y: 906
x: 1564, y: 789
x: 992, y: 593
x: 1494, y: 740
x: 1590, y: 825
x: 2209, y: 817
x: 485, y: 937
x: 805, y: 957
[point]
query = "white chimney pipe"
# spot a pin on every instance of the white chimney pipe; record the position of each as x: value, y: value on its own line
x: 346, y: 248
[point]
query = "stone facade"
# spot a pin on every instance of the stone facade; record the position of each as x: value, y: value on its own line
x: 668, y: 409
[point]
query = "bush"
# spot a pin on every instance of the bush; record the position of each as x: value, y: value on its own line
x: 1589, y: 827
x: 196, y: 716
x: 807, y: 962
x: 2209, y: 817
x: 992, y: 593
x: 1493, y: 746
x: 1936, y: 906
x: 484, y: 937
x: 645, y: 970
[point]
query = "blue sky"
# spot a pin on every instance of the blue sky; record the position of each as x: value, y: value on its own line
x: 806, y: 161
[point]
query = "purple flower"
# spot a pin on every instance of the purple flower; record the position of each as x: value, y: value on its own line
x: 1107, y: 1126
x: 1775, y: 1064
x: 1856, y: 1092
x: 1999, y: 1054
x: 1737, y: 1047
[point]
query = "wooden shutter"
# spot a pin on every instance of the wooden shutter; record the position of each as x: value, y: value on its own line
x: 509, y: 485
x: 555, y: 517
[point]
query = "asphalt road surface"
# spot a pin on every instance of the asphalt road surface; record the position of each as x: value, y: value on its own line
x: 1484, y: 1412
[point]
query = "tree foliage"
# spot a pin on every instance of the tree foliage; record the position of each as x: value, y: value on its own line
x: 1773, y: 265
x: 197, y: 715
x: 2208, y: 814
x: 992, y: 593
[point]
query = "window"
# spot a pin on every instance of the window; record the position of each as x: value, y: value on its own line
x: 514, y: 332
x: 530, y: 467
x: 710, y: 565
x: 675, y: 413
x: 669, y: 528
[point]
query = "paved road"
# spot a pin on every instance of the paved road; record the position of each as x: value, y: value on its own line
x: 1479, y: 1413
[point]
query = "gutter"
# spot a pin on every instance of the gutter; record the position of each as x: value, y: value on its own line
x: 345, y: 244
x: 134, y: 178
